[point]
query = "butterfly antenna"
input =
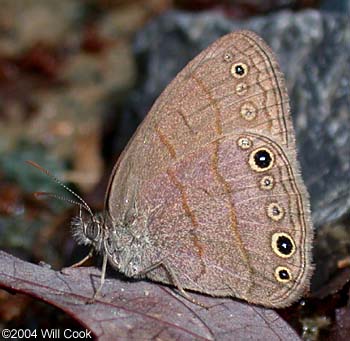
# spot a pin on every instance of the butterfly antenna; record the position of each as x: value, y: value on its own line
x: 39, y: 195
x: 45, y: 171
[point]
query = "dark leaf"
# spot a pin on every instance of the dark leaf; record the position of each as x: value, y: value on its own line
x: 341, y: 329
x: 139, y: 309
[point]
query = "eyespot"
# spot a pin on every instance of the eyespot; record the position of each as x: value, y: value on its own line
x: 261, y: 159
x: 283, y: 274
x: 248, y: 111
x: 239, y: 70
x: 282, y: 245
x: 244, y: 143
x: 275, y: 211
x: 241, y: 89
x: 228, y: 56
x: 267, y: 182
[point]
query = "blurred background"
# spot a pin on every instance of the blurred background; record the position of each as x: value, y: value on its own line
x: 77, y: 77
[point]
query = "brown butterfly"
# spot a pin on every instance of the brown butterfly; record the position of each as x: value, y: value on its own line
x: 207, y: 195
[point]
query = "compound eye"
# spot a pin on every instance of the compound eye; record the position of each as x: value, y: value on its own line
x: 92, y: 230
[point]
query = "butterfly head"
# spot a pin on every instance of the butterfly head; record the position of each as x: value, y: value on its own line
x: 88, y: 230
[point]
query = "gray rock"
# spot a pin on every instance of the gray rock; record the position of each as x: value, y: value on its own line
x: 313, y: 48
x: 341, y: 6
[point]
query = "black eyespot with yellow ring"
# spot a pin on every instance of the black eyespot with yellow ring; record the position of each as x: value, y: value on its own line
x: 282, y: 244
x: 261, y: 159
x: 239, y: 70
x: 283, y: 274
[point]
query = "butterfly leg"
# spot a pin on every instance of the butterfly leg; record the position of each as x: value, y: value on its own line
x: 174, y: 279
x: 102, y: 280
x: 103, y: 273
x: 81, y: 262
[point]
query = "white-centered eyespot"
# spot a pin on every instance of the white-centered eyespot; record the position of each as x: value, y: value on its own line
x: 283, y: 244
x: 267, y: 182
x: 275, y: 211
x: 283, y: 274
x: 261, y: 159
x: 239, y: 70
x: 228, y: 56
x: 244, y: 143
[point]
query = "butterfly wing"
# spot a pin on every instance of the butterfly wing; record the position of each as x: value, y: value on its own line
x: 194, y: 177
